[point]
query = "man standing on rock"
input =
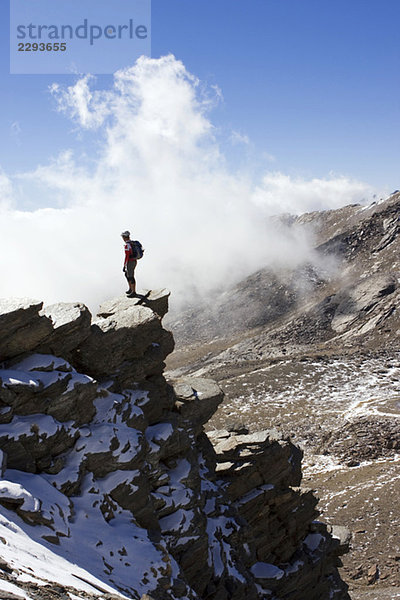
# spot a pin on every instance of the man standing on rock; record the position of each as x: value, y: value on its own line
x: 129, y: 264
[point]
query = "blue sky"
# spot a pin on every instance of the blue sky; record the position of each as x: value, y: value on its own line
x: 312, y: 84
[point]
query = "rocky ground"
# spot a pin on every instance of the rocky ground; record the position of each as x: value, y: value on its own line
x: 316, y: 354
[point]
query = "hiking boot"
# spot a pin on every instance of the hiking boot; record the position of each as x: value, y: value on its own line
x: 128, y: 292
x: 132, y: 295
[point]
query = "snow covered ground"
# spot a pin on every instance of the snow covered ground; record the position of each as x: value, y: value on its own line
x: 64, y: 539
x: 312, y: 393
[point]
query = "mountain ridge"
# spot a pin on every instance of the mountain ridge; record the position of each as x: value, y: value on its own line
x: 356, y: 268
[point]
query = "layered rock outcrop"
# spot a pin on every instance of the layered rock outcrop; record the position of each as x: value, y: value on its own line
x: 106, y: 470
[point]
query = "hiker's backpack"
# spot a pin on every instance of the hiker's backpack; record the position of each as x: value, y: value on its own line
x: 137, y: 250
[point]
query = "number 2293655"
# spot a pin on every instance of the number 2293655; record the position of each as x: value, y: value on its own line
x: 42, y: 47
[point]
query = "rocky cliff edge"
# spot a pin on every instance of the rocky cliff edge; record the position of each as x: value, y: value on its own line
x: 110, y: 487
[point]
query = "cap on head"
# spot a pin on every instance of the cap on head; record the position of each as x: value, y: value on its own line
x: 125, y: 234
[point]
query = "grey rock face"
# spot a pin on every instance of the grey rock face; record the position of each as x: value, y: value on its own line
x: 357, y: 301
x: 197, y: 399
x: 256, y: 459
x: 292, y: 555
x: 21, y: 326
x: 156, y: 300
x: 71, y: 326
x: 43, y: 384
x: 129, y: 345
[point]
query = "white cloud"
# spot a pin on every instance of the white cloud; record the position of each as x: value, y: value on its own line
x: 239, y: 138
x: 299, y: 195
x: 268, y: 157
x: 78, y: 99
x: 158, y: 171
x: 6, y: 193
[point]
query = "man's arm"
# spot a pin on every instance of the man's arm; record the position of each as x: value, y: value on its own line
x: 127, y: 254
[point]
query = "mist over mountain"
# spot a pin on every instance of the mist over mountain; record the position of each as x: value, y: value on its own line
x: 345, y: 297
